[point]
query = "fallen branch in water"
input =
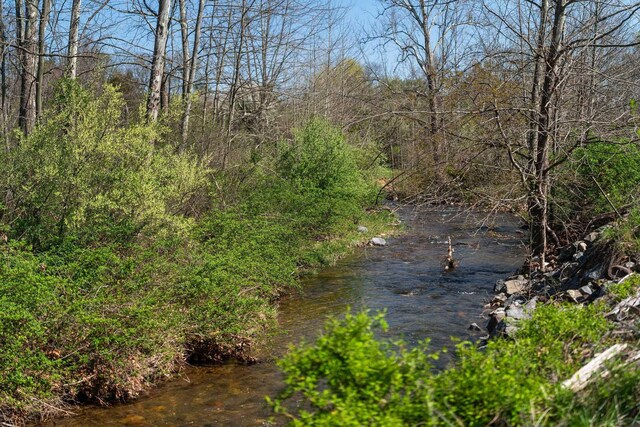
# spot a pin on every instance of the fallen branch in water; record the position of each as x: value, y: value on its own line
x: 450, y: 262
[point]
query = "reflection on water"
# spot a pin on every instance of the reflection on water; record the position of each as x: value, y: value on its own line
x: 405, y: 278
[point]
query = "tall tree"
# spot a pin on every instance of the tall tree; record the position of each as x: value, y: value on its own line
x: 158, y: 60
x: 42, y: 32
x: 190, y: 65
x: 426, y: 33
x: 74, y: 29
x: 27, y: 28
x: 549, y: 37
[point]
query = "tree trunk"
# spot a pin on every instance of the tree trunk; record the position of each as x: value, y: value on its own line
x: 192, y: 73
x: 233, y: 90
x: 430, y: 72
x: 27, y: 47
x: 44, y: 20
x: 157, y: 65
x: 74, y: 29
x: 538, y: 202
x: 3, y: 78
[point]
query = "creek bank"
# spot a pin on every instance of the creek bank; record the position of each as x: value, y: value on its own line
x: 581, y: 273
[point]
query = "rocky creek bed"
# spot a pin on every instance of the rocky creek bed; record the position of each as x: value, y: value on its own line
x: 579, y: 273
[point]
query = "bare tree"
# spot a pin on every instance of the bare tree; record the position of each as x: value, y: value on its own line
x: 42, y: 32
x: 74, y: 28
x: 190, y: 66
x: 27, y: 28
x: 427, y: 33
x: 549, y: 49
x: 158, y: 61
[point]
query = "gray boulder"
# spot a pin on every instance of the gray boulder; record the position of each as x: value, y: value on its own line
x: 362, y: 229
x: 378, y: 241
x: 516, y: 286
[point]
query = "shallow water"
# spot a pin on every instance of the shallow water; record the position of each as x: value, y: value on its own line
x: 405, y: 278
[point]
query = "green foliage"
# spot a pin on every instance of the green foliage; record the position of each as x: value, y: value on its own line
x: 625, y: 233
x: 84, y: 175
x: 349, y: 378
x: 99, y: 245
x: 319, y: 179
x: 615, y: 167
x: 626, y: 288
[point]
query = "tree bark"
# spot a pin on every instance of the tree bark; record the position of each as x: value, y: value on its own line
x: 3, y: 77
x: 27, y: 46
x: 429, y: 69
x: 74, y: 29
x: 192, y: 66
x: 44, y: 20
x: 538, y: 202
x: 158, y: 62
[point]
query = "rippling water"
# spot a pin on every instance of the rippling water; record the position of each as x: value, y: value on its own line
x: 405, y: 278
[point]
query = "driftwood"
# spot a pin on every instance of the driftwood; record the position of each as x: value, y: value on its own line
x: 450, y: 262
x: 626, y: 308
x: 580, y: 379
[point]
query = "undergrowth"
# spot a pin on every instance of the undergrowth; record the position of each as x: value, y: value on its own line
x: 348, y: 378
x: 107, y: 283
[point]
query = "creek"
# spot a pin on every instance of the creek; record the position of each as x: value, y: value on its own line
x: 406, y: 278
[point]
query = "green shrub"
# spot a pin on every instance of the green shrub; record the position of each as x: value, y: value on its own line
x: 612, y: 168
x: 319, y: 181
x: 83, y: 174
x: 349, y: 378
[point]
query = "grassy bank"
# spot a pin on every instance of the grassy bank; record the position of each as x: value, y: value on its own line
x: 348, y: 378
x: 122, y: 259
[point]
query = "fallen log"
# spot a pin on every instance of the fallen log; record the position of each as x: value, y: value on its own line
x: 580, y: 379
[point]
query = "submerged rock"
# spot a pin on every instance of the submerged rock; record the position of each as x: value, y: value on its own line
x: 378, y: 241
x: 474, y: 327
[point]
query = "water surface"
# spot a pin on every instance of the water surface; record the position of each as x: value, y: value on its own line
x: 405, y: 278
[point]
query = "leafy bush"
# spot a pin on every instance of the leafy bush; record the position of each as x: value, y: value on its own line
x: 319, y: 179
x: 597, y: 168
x: 349, y: 378
x: 94, y: 243
x: 83, y: 174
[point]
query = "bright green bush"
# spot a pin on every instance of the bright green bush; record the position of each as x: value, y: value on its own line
x: 99, y: 246
x: 83, y: 174
x: 349, y: 378
x: 319, y: 181
x: 615, y: 167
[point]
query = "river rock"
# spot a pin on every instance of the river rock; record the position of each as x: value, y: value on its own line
x: 516, y: 312
x: 378, y: 241
x: 499, y: 299
x: 586, y: 290
x: 581, y: 246
x: 474, y: 327
x: 575, y: 295
x: 362, y: 229
x: 595, y: 273
x: 510, y: 330
x: 495, y: 318
x: 625, y: 309
x: 591, y: 237
x: 516, y: 286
